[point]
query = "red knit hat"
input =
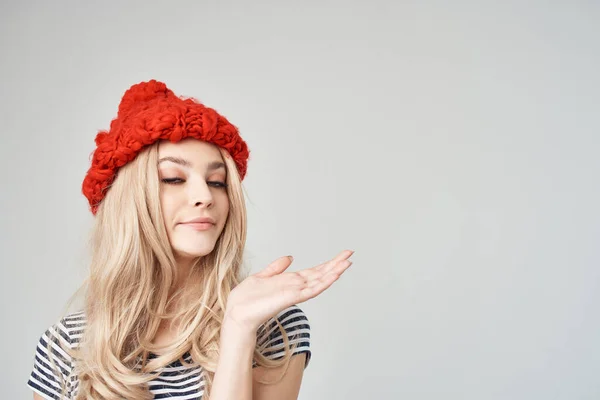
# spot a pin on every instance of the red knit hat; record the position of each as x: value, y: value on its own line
x: 148, y: 112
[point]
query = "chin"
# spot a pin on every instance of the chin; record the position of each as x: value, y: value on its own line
x: 193, y: 250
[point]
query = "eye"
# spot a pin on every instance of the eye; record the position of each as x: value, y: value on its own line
x: 174, y: 181
x: 178, y: 181
x: 218, y: 184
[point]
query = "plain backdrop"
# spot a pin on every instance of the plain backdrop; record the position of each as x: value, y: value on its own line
x: 453, y: 145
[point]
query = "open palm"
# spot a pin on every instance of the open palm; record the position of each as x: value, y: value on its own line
x: 264, y: 294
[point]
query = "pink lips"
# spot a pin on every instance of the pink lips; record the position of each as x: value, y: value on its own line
x: 200, y: 219
x: 200, y: 223
x: 199, y: 226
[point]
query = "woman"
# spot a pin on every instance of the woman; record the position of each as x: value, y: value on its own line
x: 167, y: 313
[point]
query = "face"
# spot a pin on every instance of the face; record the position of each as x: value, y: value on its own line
x: 193, y: 186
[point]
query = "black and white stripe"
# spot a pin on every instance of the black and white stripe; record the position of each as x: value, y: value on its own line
x: 175, y: 380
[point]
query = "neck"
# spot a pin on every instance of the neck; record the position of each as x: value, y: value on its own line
x: 187, y: 274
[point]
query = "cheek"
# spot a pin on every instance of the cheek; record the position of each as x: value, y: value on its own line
x: 169, y: 205
x: 225, y: 205
x: 222, y: 209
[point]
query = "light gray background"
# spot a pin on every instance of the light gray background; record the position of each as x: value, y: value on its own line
x: 453, y: 145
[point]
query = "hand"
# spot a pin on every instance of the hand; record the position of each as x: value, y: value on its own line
x: 264, y: 294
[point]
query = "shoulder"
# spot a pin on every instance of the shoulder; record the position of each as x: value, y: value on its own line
x: 73, y: 326
x: 69, y: 329
x: 52, y: 362
x: 296, y: 326
x: 292, y: 319
x: 62, y: 336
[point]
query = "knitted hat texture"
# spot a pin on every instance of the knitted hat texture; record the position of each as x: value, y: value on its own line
x: 148, y: 112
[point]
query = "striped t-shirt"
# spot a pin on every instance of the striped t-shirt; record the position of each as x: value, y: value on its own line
x: 175, y: 380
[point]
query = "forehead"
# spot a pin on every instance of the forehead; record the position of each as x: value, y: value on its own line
x: 193, y: 150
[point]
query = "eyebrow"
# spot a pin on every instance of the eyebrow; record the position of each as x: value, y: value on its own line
x: 182, y: 161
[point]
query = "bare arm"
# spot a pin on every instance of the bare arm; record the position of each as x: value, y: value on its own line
x: 233, y: 376
x: 37, y: 396
x: 287, y: 388
x: 256, y: 299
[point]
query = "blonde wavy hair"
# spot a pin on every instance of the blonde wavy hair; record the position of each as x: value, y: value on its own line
x: 129, y: 291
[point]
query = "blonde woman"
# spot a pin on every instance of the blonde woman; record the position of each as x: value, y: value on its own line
x: 168, y: 312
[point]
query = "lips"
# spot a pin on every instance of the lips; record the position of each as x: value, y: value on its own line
x: 200, y: 220
x: 199, y: 226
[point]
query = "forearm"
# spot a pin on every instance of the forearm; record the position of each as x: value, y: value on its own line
x: 233, y: 376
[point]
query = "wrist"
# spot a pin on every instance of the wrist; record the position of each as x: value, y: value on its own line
x: 236, y: 318
x: 232, y: 329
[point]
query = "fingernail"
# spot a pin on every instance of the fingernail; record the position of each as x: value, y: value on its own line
x: 291, y: 258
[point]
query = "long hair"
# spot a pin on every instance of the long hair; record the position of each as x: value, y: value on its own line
x: 129, y: 291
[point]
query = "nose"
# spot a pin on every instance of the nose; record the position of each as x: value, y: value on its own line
x: 200, y: 194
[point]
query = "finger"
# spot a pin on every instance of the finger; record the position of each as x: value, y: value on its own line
x: 318, y: 286
x: 314, y: 273
x: 340, y: 259
x: 314, y: 287
x: 344, y: 255
x: 276, y: 267
x: 338, y: 270
x: 321, y: 269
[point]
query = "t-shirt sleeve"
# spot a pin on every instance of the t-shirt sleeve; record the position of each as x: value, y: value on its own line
x: 52, y: 365
x: 297, y: 329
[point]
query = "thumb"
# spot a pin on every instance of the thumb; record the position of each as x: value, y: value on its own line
x: 276, y: 267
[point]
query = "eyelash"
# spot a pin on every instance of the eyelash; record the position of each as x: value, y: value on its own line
x: 173, y: 181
